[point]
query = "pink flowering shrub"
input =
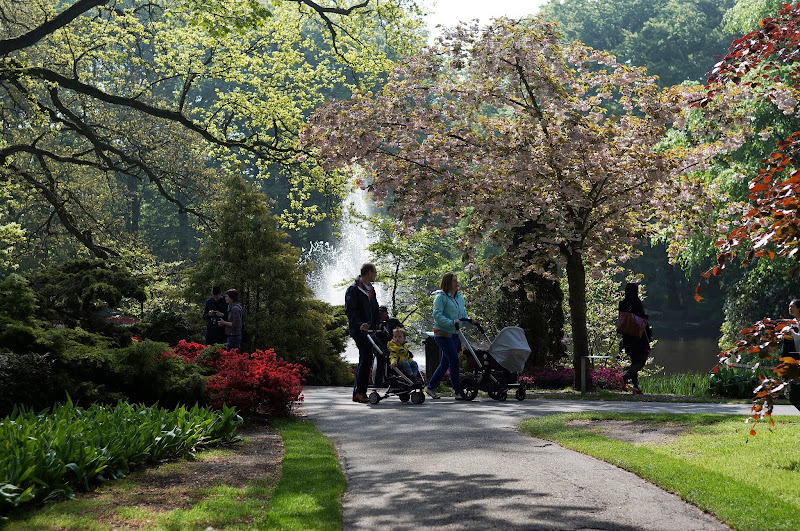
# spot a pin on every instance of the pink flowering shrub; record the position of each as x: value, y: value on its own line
x: 561, y: 377
x: 608, y: 378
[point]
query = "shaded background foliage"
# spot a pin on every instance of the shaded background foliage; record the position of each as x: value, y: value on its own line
x: 155, y: 223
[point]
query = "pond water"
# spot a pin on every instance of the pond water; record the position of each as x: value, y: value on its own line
x: 686, y: 354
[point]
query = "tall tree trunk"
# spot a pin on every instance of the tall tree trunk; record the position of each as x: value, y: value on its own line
x: 576, y: 276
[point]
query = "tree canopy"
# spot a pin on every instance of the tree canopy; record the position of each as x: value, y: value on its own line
x: 552, y: 152
x: 677, y: 40
x: 170, y: 92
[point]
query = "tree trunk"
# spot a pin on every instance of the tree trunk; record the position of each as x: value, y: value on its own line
x: 542, y: 316
x: 576, y: 276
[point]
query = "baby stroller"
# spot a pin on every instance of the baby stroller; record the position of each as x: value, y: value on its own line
x: 399, y: 384
x: 492, y: 366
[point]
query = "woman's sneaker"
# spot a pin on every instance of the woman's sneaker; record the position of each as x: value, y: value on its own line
x: 431, y: 393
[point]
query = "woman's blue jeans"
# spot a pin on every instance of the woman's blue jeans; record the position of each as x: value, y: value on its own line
x: 449, y: 346
x: 233, y: 342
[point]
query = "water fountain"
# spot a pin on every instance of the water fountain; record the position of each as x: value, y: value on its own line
x: 338, y: 264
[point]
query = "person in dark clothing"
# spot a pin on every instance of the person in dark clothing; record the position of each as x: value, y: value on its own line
x: 388, y: 324
x: 215, y: 308
x: 361, y: 307
x: 637, y: 348
x: 791, y: 347
x: 234, y: 322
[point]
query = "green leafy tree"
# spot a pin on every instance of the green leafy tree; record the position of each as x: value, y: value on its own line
x: 410, y: 265
x: 677, y: 40
x: 155, y: 93
x: 247, y: 251
x: 745, y: 15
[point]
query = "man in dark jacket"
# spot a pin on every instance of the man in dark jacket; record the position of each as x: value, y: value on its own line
x: 216, y: 308
x: 361, y: 307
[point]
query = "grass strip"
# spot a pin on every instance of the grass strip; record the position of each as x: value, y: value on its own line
x: 750, y: 483
x: 309, y: 494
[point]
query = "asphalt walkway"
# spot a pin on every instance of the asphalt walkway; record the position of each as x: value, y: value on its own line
x: 454, y: 465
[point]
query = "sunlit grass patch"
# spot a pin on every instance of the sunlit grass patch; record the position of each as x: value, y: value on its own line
x: 748, y: 482
x: 299, y: 503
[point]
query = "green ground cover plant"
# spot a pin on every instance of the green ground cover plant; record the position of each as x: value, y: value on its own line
x: 49, y: 455
x: 683, y: 384
x: 288, y: 500
x: 750, y: 483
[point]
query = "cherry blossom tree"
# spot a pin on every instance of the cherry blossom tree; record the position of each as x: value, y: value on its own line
x: 553, y: 151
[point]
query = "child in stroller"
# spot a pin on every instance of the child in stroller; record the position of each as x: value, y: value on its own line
x: 401, y: 357
x: 402, y: 373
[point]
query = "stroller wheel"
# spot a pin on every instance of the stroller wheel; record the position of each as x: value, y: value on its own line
x: 469, y: 388
x: 403, y: 397
x: 500, y: 395
x: 520, y: 394
x: 417, y: 397
x: 374, y: 397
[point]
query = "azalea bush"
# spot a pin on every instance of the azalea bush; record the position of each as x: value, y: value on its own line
x: 561, y: 377
x: 258, y: 382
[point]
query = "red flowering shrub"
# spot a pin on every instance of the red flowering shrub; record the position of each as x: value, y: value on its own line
x: 188, y: 351
x: 256, y: 383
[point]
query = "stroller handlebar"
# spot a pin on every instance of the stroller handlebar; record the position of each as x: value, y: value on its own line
x: 474, y: 323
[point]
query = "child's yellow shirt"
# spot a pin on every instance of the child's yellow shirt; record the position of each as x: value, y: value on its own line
x: 398, y: 352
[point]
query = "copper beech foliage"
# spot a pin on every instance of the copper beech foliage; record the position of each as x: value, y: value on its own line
x: 764, y: 339
x: 764, y: 66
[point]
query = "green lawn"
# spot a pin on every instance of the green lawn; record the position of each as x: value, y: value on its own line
x: 752, y: 483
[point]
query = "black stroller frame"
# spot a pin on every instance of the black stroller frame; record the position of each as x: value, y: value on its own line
x: 400, y: 385
x: 486, y: 374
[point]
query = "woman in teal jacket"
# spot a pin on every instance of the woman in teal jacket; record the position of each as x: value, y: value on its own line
x: 448, y: 311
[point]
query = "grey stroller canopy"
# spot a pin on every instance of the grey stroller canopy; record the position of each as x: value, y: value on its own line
x: 510, y: 348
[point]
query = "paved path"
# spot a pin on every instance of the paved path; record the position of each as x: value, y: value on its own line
x: 463, y: 465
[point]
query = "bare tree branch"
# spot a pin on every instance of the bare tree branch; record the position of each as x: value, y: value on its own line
x: 35, y: 35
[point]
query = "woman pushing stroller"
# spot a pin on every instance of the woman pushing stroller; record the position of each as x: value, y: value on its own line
x: 448, y: 312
